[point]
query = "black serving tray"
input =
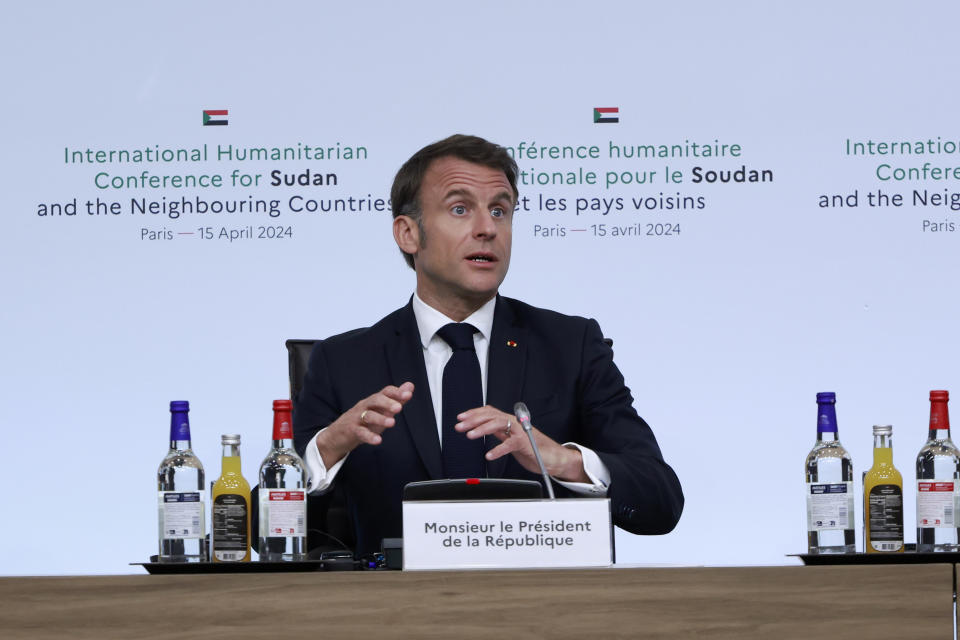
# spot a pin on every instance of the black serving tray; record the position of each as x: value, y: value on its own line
x: 187, y: 568
x: 909, y: 556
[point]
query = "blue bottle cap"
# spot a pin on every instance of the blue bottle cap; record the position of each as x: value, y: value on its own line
x: 179, y: 420
x: 826, y: 412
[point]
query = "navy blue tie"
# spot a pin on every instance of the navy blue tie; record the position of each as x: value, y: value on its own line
x: 462, y: 390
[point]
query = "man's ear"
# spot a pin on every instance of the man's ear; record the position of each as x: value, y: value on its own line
x: 406, y: 232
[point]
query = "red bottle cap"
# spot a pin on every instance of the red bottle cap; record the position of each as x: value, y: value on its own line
x: 939, y: 416
x: 282, y: 420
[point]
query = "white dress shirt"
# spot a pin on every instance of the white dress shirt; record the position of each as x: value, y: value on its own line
x: 436, y: 353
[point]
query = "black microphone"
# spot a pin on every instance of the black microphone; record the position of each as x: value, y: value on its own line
x: 523, y: 415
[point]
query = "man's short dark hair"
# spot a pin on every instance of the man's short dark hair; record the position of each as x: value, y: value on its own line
x: 405, y: 193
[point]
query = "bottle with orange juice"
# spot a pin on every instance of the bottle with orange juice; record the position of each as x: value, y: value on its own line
x: 883, y: 497
x: 231, y: 507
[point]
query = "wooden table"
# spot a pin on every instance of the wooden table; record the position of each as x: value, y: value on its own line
x: 875, y: 602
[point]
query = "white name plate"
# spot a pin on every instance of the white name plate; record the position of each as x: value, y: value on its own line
x: 507, y: 534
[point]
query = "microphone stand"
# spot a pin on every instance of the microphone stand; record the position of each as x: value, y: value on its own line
x: 523, y: 415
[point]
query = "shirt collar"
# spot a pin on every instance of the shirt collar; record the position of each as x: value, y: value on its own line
x: 429, y: 320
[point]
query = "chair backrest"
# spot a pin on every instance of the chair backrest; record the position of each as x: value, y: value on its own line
x: 328, y: 524
x: 298, y: 356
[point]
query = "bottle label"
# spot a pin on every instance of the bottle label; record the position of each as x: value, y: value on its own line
x: 937, y: 503
x: 230, y: 527
x: 283, y: 513
x: 181, y: 515
x: 829, y: 506
x: 886, y: 517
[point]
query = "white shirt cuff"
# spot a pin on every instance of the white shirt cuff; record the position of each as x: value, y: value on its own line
x: 319, y: 478
x: 597, y: 472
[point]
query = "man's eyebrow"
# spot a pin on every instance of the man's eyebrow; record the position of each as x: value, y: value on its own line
x: 457, y: 193
x: 503, y: 196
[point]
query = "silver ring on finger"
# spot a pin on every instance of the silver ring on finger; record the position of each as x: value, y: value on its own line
x: 506, y: 431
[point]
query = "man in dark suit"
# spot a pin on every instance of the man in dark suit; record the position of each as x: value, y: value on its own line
x: 371, y: 414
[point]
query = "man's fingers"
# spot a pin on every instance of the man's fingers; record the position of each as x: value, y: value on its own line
x: 387, y: 402
x: 372, y: 415
x: 400, y: 394
x: 376, y: 421
x: 507, y: 446
x: 367, y: 436
x: 485, y: 421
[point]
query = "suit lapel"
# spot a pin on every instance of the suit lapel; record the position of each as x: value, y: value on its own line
x: 506, y: 360
x: 405, y: 360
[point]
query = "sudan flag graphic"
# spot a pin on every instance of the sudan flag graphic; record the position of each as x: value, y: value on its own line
x: 210, y: 121
x: 606, y: 114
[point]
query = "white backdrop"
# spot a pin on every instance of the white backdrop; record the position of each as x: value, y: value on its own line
x: 724, y: 331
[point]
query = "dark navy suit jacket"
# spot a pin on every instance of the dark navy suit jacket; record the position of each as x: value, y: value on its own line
x: 557, y: 364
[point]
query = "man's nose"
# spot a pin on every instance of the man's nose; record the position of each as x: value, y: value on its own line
x: 484, y: 226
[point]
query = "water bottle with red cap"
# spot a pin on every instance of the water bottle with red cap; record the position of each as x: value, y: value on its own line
x: 938, y: 482
x: 283, y: 494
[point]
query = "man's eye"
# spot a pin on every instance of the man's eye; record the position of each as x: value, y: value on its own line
x: 498, y: 212
x: 459, y: 210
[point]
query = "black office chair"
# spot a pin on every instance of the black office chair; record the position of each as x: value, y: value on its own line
x: 329, y: 527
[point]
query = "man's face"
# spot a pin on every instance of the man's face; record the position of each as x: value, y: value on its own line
x: 464, y: 252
